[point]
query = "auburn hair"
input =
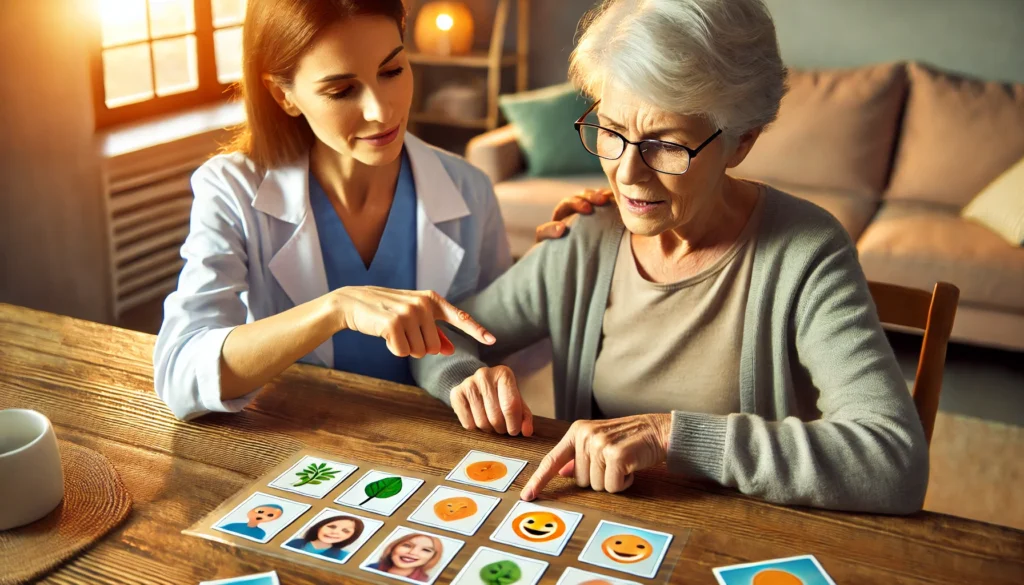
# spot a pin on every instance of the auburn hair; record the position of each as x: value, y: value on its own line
x: 275, y: 36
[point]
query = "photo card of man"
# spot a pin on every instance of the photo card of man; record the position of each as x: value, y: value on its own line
x: 261, y: 517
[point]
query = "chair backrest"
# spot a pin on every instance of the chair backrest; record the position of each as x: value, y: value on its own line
x: 933, y: 313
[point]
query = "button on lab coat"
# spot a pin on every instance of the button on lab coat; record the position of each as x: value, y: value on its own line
x: 253, y: 251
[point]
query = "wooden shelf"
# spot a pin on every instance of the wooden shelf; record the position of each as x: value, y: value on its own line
x: 441, y: 120
x: 492, y: 63
x: 478, y: 59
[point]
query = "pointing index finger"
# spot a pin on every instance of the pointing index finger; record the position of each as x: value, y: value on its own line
x: 445, y: 311
x: 563, y: 453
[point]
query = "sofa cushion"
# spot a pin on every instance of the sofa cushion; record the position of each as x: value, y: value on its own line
x: 543, y: 120
x: 958, y: 135
x: 1000, y: 206
x: 917, y: 245
x: 836, y: 130
x: 852, y: 210
x: 526, y: 202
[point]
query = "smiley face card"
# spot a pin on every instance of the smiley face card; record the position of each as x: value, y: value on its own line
x: 491, y: 472
x: 538, y: 528
x: 632, y: 550
x: 453, y: 509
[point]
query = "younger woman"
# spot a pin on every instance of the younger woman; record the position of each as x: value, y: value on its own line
x: 410, y: 556
x: 329, y: 537
x: 312, y: 233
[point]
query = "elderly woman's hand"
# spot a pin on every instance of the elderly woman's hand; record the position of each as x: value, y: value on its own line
x: 489, y: 400
x: 604, y: 454
x: 583, y: 203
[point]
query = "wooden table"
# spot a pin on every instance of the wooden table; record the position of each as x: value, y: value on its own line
x: 95, y: 383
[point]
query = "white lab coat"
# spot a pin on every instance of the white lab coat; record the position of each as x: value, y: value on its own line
x: 253, y: 251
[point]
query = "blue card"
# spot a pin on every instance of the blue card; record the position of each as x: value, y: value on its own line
x: 260, y: 579
x: 805, y: 570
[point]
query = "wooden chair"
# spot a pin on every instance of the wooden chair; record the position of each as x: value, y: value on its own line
x: 933, y: 313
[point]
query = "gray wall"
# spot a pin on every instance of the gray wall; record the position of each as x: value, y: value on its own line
x: 984, y: 38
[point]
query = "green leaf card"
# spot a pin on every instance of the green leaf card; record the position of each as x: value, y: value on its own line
x: 379, y: 492
x: 489, y: 566
x: 313, y: 477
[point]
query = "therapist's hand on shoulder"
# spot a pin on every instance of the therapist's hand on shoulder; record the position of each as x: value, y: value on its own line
x: 582, y: 203
x: 406, y: 319
x: 489, y: 401
x: 604, y: 454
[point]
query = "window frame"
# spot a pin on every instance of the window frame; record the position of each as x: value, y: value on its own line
x: 210, y: 89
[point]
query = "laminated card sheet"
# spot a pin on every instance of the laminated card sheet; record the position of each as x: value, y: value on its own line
x: 387, y: 525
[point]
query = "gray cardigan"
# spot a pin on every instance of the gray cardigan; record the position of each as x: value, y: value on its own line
x: 826, y: 417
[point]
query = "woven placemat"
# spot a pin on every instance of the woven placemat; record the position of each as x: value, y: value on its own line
x: 95, y: 501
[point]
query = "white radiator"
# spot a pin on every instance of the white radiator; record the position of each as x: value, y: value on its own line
x: 148, y: 200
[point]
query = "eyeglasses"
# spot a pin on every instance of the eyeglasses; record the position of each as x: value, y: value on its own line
x: 664, y: 157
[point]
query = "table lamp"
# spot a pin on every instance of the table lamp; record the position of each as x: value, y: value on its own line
x: 444, y: 28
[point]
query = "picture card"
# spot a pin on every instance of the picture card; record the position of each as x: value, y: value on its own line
x: 537, y: 528
x: 625, y: 548
x: 574, y: 576
x: 413, y: 556
x: 454, y: 509
x: 805, y: 570
x: 261, y: 517
x: 492, y: 472
x: 313, y: 477
x: 258, y: 579
x: 489, y: 566
x: 333, y: 535
x: 380, y: 492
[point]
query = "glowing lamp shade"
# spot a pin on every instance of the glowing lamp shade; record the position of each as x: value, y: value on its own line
x: 444, y: 28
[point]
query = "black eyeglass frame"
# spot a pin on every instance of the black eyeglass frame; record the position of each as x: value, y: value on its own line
x: 691, y: 152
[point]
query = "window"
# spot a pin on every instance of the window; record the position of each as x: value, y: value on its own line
x: 157, y: 56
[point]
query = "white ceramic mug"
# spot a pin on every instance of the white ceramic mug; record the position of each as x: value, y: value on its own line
x: 31, y: 476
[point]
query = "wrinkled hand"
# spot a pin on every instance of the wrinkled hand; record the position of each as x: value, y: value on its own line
x: 604, y: 454
x: 489, y: 400
x: 406, y: 319
x: 583, y: 203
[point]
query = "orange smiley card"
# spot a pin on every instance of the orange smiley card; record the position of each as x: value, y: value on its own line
x: 455, y: 510
x: 492, y: 472
x: 537, y: 528
x: 637, y: 551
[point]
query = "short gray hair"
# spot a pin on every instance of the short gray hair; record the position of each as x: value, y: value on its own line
x: 715, y: 58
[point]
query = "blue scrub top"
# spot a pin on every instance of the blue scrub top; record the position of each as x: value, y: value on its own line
x: 393, y: 266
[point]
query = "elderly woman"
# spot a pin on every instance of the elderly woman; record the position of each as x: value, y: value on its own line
x: 716, y: 324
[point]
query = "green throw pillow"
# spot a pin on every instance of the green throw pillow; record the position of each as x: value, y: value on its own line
x: 543, y: 119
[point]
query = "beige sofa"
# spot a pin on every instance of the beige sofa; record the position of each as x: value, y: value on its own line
x: 894, y: 151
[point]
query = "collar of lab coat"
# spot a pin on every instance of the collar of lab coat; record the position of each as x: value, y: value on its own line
x: 299, y: 266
